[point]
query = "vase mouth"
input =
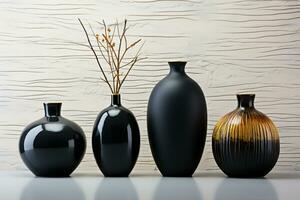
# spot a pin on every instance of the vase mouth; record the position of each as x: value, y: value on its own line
x: 178, y: 62
x: 245, y: 100
x: 52, y: 103
x: 116, y: 100
x: 177, y: 66
x: 52, y: 109
x: 246, y: 94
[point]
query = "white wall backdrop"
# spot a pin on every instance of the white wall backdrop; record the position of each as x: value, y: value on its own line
x: 232, y: 46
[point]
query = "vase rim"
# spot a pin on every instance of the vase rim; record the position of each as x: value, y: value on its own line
x: 115, y: 99
x: 245, y: 94
x: 52, y: 103
x: 52, y: 109
x: 245, y: 100
x: 177, y: 61
x: 177, y: 66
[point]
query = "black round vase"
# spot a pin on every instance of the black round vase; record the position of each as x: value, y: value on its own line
x: 177, y: 123
x: 52, y: 146
x: 116, y: 139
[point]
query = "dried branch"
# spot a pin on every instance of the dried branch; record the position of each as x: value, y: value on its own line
x: 127, y: 48
x: 114, y: 52
x: 136, y: 58
x: 109, y: 57
x: 99, y: 47
x: 98, y: 62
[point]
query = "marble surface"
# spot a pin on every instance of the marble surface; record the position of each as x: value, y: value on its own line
x: 22, y: 185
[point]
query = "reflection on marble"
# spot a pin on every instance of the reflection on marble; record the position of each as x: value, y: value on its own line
x: 116, y: 189
x: 177, y: 188
x: 52, y: 189
x: 237, y: 189
x: 90, y: 186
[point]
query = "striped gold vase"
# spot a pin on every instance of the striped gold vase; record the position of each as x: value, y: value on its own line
x: 245, y: 142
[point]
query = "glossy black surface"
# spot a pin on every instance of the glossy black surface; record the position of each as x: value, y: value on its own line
x: 116, y: 139
x: 177, y: 123
x: 52, y: 146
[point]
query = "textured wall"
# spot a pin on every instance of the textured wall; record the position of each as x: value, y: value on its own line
x: 232, y: 46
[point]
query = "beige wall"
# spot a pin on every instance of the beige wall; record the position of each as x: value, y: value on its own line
x: 232, y: 46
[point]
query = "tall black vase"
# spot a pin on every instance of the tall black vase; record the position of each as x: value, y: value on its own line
x: 52, y: 146
x: 177, y: 123
x: 116, y: 139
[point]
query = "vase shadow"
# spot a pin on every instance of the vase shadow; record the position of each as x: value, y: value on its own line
x: 177, y: 189
x: 236, y: 189
x: 116, y: 189
x: 52, y: 188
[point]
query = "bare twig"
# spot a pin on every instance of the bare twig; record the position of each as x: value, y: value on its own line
x: 99, y: 47
x: 114, y: 53
x: 127, y: 48
x: 91, y: 46
x: 133, y: 62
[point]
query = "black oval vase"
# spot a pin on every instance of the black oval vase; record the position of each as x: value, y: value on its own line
x: 116, y: 139
x: 52, y: 146
x: 245, y: 142
x: 177, y: 123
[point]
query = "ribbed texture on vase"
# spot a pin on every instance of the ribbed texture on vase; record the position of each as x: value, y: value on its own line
x: 245, y: 143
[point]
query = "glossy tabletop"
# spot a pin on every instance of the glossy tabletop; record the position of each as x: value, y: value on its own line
x: 88, y: 185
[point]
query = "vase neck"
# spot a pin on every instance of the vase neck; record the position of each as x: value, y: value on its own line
x: 115, y: 100
x: 52, y: 109
x: 177, y: 67
x: 245, y: 100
